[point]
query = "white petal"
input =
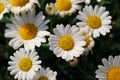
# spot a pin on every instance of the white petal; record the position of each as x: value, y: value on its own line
x: 43, y: 33
x: 96, y: 10
x: 37, y: 42
x: 101, y: 11
x: 13, y: 41
x: 96, y: 33
x: 11, y: 34
x: 102, y: 31
x: 81, y: 24
x: 39, y: 19
x: 104, y: 15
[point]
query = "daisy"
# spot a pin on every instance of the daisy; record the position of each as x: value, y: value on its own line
x: 45, y: 74
x: 27, y: 30
x: 96, y: 20
x: 67, y: 7
x: 23, y: 65
x: 67, y: 42
x: 18, y: 6
x: 88, y: 39
x: 110, y: 70
x: 3, y: 8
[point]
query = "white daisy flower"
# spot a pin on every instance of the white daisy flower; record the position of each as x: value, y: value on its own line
x: 67, y: 42
x: 21, y: 6
x: 88, y: 39
x: 45, y: 74
x: 3, y: 8
x: 23, y: 65
x: 96, y: 20
x: 27, y: 30
x: 67, y: 7
x: 110, y: 70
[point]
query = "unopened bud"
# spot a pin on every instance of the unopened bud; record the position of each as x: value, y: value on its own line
x: 51, y: 9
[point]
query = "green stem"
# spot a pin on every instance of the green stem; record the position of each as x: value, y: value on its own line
x: 103, y: 2
x: 51, y: 24
x: 85, y: 73
x: 45, y: 45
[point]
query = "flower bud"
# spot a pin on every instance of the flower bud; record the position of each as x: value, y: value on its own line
x: 51, y: 9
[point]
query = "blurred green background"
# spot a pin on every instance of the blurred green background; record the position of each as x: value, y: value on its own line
x: 85, y: 69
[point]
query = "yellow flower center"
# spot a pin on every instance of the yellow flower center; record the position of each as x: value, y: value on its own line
x: 43, y: 78
x: 87, y: 40
x: 94, y: 22
x: 66, y: 43
x: 114, y: 74
x: 63, y: 5
x: 25, y: 64
x: 17, y: 3
x: 2, y: 7
x: 28, y: 31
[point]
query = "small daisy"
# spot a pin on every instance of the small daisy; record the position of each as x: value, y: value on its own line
x: 3, y: 8
x: 96, y: 20
x: 24, y: 64
x: 45, y: 74
x: 88, y: 39
x: 67, y: 7
x: 27, y: 30
x: 110, y: 70
x: 19, y: 6
x: 67, y: 42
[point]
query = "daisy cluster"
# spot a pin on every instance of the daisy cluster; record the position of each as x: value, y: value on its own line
x: 28, y: 29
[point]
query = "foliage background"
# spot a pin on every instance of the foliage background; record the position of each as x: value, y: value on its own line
x: 85, y: 69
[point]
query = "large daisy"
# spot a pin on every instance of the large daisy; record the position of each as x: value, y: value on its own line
x: 110, y: 70
x: 18, y: 6
x: 88, y: 39
x: 97, y: 20
x: 45, y: 74
x: 27, y: 29
x: 3, y: 8
x: 67, y: 42
x: 23, y: 65
x: 67, y: 7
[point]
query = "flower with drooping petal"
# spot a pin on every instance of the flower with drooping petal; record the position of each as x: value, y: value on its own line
x: 88, y: 39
